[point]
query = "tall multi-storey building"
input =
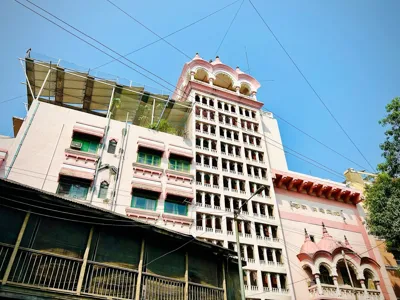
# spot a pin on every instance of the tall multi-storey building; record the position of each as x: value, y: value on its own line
x: 185, y: 164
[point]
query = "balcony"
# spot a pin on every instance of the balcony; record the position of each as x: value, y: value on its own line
x: 345, y: 292
x: 58, y: 273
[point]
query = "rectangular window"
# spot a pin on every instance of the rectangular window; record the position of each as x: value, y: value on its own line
x: 112, y: 146
x: 176, y: 205
x: 144, y: 199
x: 149, y: 157
x: 88, y: 143
x: 73, y: 187
x: 103, y: 190
x: 179, y: 164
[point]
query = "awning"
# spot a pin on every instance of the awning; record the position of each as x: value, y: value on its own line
x: 77, y: 173
x: 180, y: 193
x: 152, y: 144
x: 149, y: 186
x: 180, y: 152
x: 88, y: 129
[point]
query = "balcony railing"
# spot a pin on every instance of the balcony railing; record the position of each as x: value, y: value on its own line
x: 345, y: 292
x: 58, y: 273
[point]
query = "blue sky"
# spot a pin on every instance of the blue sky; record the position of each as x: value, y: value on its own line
x: 349, y: 51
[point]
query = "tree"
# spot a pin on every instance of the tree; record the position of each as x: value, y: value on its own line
x: 391, y: 146
x: 383, y: 205
x: 383, y: 195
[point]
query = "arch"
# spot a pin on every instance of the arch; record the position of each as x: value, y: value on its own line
x: 308, y: 270
x: 344, y: 276
x: 370, y: 278
x: 371, y: 270
x: 201, y: 74
x: 351, y: 262
x: 309, y: 264
x: 325, y: 274
x: 245, y: 88
x: 224, y: 80
x: 324, y: 261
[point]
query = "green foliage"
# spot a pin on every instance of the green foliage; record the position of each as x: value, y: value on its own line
x: 383, y: 205
x: 163, y: 126
x: 391, y: 146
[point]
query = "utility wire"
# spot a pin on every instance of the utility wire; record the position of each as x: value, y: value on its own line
x: 229, y: 27
x: 147, y: 28
x: 309, y: 84
x: 94, y: 46
x: 11, y: 99
x: 168, y: 35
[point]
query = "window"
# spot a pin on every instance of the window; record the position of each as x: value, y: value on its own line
x: 179, y: 164
x: 144, y: 199
x: 73, y: 187
x: 103, y: 190
x: 86, y: 142
x: 312, y: 238
x: 175, y: 205
x: 149, y: 157
x: 112, y: 146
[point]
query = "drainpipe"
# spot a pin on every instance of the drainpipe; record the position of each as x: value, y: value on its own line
x: 21, y: 142
x: 96, y: 173
x: 117, y: 181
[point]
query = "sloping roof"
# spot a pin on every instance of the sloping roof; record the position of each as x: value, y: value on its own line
x: 22, y: 197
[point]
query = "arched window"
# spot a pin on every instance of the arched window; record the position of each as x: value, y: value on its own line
x: 245, y: 89
x: 324, y: 275
x: 103, y: 190
x: 369, y: 280
x: 201, y: 75
x: 224, y: 81
x: 112, y: 146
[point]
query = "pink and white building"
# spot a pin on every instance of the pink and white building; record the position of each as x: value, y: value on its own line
x: 86, y: 138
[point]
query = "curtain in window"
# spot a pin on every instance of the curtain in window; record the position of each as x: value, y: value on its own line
x: 144, y: 203
x: 175, y: 208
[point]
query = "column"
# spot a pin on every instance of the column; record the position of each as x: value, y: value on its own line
x: 254, y: 140
x: 262, y: 233
x: 229, y: 107
x: 258, y: 209
x: 202, y: 177
x: 274, y: 256
x: 202, y: 159
x: 248, y: 139
x: 319, y: 287
x: 249, y: 153
x: 270, y: 231
x: 259, y: 172
x: 201, y: 127
x: 378, y: 287
x: 203, y: 199
x: 252, y: 171
x: 212, y: 200
x: 248, y: 278
x: 238, y: 185
x: 257, y: 156
x: 212, y: 179
x: 252, y: 126
x: 269, y: 281
x: 213, y: 223
x: 235, y: 167
x: 211, y: 81
x: 231, y: 203
x: 240, y: 202
x: 201, y: 111
x: 260, y: 281
x: 246, y: 258
x: 265, y: 258
x: 192, y: 75
x: 204, y: 221
x: 254, y: 188
x: 224, y: 130
x: 223, y: 119
x: 335, y: 282
x: 362, y: 282
x: 242, y: 227
x: 278, y: 281
x: 201, y: 142
x: 229, y: 184
x: 228, y: 165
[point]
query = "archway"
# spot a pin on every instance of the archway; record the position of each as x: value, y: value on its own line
x: 224, y: 81
x: 201, y: 75
x: 344, y: 276
x: 369, y: 280
x: 245, y: 89
x: 324, y: 275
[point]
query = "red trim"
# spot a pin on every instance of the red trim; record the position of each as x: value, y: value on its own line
x: 177, y: 219
x: 80, y: 157
x: 144, y: 170
x: 141, y: 213
x: 176, y: 192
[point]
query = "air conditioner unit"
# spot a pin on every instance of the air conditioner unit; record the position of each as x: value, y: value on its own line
x: 76, y: 145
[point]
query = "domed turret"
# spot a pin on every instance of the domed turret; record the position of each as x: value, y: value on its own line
x: 308, y: 247
x: 327, y: 243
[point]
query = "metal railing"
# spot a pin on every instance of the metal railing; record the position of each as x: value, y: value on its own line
x: 45, y: 270
x: 155, y: 287
x: 5, y: 254
x: 109, y: 281
x: 197, y: 292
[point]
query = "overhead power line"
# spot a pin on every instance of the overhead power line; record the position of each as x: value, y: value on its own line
x: 229, y: 27
x: 11, y: 99
x: 171, y: 34
x: 310, y: 85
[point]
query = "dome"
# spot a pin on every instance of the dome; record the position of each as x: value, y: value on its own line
x: 327, y: 243
x: 308, y: 247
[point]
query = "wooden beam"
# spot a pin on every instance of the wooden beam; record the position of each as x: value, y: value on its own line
x: 87, y: 99
x: 290, y: 185
x: 337, y: 193
x: 329, y: 193
x: 311, y: 188
x: 320, y: 190
x: 84, y: 262
x: 140, y: 270
x: 16, y: 247
x: 300, y: 186
x: 59, y: 92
